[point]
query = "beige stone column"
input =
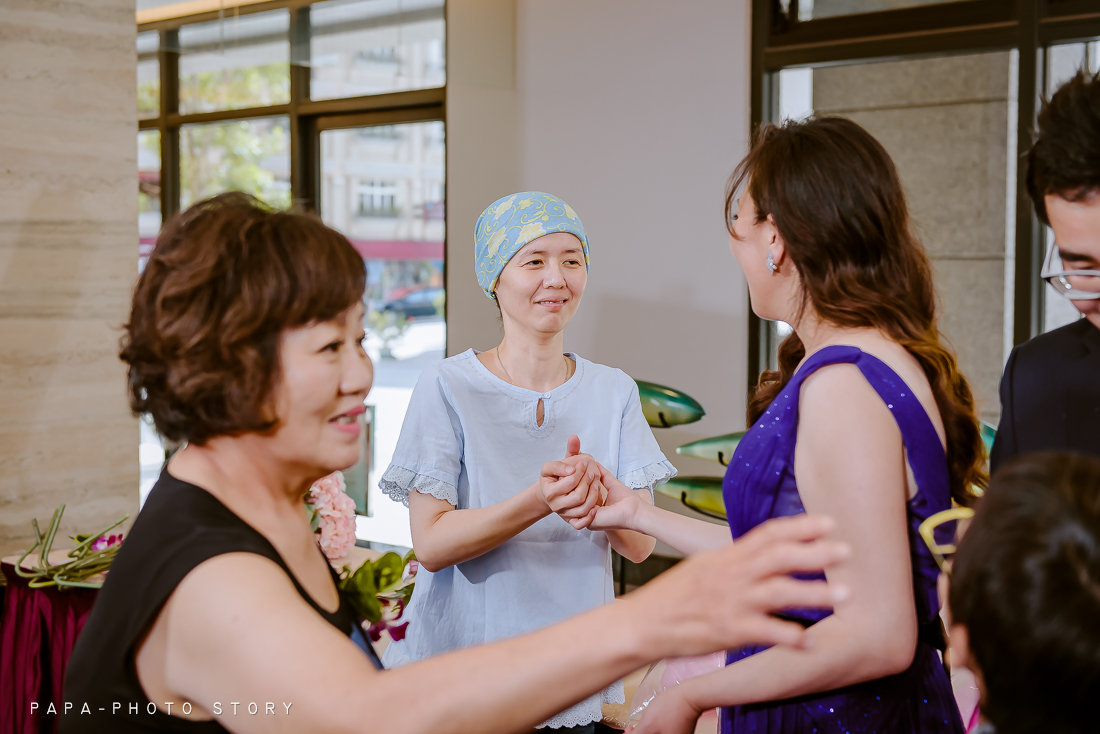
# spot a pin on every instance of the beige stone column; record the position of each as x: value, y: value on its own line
x: 68, y: 260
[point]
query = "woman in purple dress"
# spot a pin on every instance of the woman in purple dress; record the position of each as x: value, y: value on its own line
x: 867, y: 420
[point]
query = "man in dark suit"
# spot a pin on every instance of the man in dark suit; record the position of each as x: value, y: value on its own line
x: 1050, y: 391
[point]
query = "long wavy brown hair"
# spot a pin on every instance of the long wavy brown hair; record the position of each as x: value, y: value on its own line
x: 838, y: 204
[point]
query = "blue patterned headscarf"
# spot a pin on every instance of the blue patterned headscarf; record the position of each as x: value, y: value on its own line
x: 511, y: 222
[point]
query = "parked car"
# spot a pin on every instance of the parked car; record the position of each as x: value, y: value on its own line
x: 416, y: 304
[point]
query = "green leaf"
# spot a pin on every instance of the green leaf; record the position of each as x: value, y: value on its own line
x: 387, y: 572
x: 360, y: 590
x: 314, y: 517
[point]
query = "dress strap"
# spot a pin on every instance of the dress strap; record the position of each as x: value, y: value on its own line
x: 925, y: 453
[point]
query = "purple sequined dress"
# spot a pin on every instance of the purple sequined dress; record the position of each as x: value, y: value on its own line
x: 760, y: 484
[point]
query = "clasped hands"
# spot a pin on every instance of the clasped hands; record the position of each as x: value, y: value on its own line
x: 584, y: 493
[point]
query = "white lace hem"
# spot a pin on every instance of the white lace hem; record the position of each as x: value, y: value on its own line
x: 650, y: 476
x: 588, y: 710
x: 397, y: 481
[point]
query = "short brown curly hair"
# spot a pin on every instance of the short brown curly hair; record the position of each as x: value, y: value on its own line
x: 227, y: 277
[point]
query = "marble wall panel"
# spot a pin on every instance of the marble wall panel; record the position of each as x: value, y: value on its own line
x: 912, y: 83
x: 971, y: 298
x: 952, y: 161
x: 68, y: 251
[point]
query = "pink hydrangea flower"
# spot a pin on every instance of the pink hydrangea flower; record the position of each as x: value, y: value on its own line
x: 337, y: 515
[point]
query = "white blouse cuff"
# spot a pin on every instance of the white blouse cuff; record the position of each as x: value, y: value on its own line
x: 649, y: 476
x: 397, y: 481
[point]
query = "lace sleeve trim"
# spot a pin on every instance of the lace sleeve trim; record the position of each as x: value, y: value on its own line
x: 587, y: 711
x: 397, y: 481
x: 649, y: 476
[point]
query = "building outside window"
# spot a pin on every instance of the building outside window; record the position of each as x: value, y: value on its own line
x: 334, y: 107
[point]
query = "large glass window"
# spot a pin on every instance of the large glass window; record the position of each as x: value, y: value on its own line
x: 370, y: 46
x: 150, y: 447
x: 1063, y: 62
x: 149, y: 216
x: 952, y: 88
x: 234, y: 63
x: 275, y: 99
x: 148, y: 74
x: 948, y: 124
x: 810, y: 9
x: 242, y: 155
x: 383, y: 186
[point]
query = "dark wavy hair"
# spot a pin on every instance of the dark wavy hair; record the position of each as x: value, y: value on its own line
x: 227, y: 277
x: 838, y: 204
x: 1065, y: 158
x: 1026, y: 583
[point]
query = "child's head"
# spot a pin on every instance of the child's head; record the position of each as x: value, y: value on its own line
x: 1025, y: 595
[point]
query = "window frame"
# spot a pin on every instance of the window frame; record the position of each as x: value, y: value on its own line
x: 307, y: 117
x: 780, y: 40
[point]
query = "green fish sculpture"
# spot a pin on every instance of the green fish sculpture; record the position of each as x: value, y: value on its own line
x: 702, y: 494
x: 989, y: 433
x: 717, y: 448
x: 664, y: 407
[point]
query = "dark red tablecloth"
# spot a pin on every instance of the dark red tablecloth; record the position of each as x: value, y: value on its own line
x: 37, y: 632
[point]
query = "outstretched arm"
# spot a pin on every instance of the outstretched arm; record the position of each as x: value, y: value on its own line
x: 444, y: 536
x: 238, y: 631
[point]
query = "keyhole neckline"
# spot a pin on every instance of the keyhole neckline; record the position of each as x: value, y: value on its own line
x: 526, y: 393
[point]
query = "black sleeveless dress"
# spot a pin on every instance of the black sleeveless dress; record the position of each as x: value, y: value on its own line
x: 180, y: 526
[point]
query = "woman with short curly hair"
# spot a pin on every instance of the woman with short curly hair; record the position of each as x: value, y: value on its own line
x: 220, y: 612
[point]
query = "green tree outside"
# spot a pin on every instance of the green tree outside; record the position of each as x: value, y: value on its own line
x: 229, y: 156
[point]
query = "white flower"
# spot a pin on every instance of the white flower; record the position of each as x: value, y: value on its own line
x: 569, y: 212
x: 494, y: 242
x: 503, y: 207
x: 530, y: 232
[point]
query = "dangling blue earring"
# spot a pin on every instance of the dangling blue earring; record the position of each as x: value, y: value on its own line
x: 772, y: 267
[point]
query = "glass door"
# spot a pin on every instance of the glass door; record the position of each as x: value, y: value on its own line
x: 383, y: 187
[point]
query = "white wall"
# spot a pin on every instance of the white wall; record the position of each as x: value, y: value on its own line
x: 481, y: 152
x: 635, y: 113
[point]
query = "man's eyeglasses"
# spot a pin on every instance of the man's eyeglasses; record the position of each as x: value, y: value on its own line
x: 1076, y: 285
x: 928, y: 532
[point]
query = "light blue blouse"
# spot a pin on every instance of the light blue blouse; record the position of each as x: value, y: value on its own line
x: 472, y: 439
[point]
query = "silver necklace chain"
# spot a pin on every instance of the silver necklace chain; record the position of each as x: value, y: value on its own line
x: 509, y: 377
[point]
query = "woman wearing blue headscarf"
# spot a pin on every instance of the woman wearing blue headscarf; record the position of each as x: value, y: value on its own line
x: 499, y: 526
